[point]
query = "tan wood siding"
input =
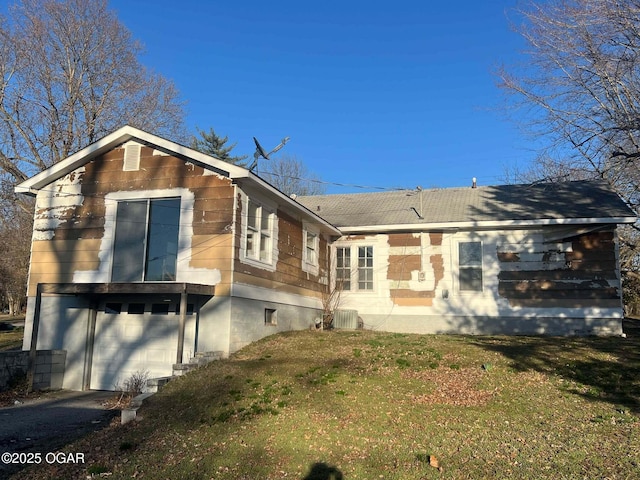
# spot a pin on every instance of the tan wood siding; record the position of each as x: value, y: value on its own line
x: 70, y: 214
x: 288, y: 275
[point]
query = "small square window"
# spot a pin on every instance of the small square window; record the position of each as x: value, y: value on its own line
x: 160, y: 308
x: 270, y: 316
x: 113, y: 308
x: 190, y: 308
x: 135, y: 308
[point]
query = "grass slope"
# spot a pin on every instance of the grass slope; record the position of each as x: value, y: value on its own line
x: 367, y: 405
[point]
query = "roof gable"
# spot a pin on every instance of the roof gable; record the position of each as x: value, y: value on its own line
x: 127, y: 133
x: 113, y: 140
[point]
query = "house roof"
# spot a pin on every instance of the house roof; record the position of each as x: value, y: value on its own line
x: 530, y: 204
x: 127, y: 133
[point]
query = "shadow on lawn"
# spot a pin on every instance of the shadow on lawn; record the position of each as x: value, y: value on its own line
x: 596, y: 368
x: 322, y: 471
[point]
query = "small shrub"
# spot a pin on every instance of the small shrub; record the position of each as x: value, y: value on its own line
x: 136, y: 383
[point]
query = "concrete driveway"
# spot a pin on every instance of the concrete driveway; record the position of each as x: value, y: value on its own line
x: 46, y: 425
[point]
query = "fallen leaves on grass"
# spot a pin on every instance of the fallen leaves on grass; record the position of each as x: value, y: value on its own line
x: 451, y: 387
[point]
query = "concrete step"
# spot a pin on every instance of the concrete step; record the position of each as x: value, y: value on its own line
x: 155, y: 384
x: 182, y: 368
x: 202, y: 358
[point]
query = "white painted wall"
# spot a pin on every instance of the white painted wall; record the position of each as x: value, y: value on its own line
x: 468, y: 312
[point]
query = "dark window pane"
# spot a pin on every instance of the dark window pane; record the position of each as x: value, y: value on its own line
x: 160, y: 308
x: 135, y: 308
x: 470, y: 254
x: 128, y: 251
x: 162, y: 250
x: 471, y: 279
x: 190, y: 308
x: 113, y: 308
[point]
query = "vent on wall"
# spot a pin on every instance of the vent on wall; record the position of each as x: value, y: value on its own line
x: 131, y: 157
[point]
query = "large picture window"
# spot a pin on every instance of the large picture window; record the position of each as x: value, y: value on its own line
x: 470, y: 266
x: 146, y: 240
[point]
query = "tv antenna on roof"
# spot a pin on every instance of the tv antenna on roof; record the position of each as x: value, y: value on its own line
x: 261, y: 153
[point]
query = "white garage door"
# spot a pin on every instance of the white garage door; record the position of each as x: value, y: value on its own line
x: 126, y: 344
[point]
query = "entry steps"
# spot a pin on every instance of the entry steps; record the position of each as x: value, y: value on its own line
x: 200, y: 359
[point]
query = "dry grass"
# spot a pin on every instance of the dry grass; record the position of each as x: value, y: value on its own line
x: 366, y: 405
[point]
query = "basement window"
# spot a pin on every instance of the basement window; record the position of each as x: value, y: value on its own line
x: 270, y: 316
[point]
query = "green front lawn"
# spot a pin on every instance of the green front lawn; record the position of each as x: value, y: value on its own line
x: 11, y: 339
x: 369, y: 405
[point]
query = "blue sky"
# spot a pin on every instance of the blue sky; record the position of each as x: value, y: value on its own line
x: 386, y: 94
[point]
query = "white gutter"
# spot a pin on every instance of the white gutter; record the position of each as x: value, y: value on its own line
x: 484, y: 224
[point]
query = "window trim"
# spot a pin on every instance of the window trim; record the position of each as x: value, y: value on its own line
x: 354, y: 268
x: 461, y: 266
x: 252, y: 257
x: 146, y: 244
x: 310, y: 265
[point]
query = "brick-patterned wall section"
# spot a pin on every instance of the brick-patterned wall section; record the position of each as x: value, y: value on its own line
x: 49, y: 368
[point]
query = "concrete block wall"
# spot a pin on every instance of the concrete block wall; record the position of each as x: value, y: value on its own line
x: 48, y: 374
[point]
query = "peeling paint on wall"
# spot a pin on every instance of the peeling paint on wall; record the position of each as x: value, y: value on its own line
x: 416, y: 266
x: 56, y: 204
x: 573, y: 274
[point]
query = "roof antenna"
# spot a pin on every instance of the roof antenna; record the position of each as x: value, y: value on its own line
x: 261, y: 153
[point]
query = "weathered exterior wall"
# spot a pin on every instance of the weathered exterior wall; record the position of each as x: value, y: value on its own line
x: 578, y: 272
x: 75, y: 216
x: 288, y: 275
x: 556, y: 280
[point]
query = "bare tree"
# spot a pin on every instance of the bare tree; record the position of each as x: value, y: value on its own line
x: 291, y: 176
x: 15, y: 233
x: 69, y: 75
x: 579, y: 90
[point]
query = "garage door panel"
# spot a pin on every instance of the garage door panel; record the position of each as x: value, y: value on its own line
x: 128, y: 344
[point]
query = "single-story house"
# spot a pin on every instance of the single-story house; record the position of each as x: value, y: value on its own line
x: 145, y: 253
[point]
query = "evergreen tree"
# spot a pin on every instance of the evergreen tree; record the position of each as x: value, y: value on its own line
x: 212, y: 144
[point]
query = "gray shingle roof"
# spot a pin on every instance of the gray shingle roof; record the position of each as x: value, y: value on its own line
x: 569, y: 200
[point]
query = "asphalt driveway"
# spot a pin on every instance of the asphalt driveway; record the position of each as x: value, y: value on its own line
x: 46, y: 425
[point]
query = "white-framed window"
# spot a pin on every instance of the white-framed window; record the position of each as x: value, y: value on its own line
x: 259, y: 239
x: 145, y: 246
x: 343, y: 268
x: 470, y: 266
x: 354, y: 267
x: 310, y: 250
x: 365, y: 268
